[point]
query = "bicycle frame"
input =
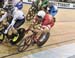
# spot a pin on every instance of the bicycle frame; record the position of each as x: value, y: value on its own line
x: 33, y: 35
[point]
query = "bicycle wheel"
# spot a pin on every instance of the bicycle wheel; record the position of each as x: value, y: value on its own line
x: 43, y: 39
x: 21, y: 33
x: 24, y: 44
x: 31, y: 13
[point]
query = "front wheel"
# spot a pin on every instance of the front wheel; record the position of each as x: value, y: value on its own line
x: 24, y: 44
x: 43, y: 39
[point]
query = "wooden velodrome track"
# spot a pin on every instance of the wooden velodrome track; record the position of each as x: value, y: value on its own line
x: 62, y: 33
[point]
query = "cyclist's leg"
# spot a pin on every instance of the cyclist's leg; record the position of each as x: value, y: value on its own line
x: 16, y: 36
x: 3, y: 25
x: 13, y: 35
x: 37, y: 35
x: 17, y: 25
x: 9, y: 34
x: 41, y: 30
x: 9, y: 18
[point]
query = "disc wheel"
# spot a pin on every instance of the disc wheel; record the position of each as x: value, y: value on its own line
x: 43, y: 39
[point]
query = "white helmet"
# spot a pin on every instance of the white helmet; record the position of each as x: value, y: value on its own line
x: 41, y: 14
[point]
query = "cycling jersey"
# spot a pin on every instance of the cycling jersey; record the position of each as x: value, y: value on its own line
x: 17, y: 15
x: 48, y: 20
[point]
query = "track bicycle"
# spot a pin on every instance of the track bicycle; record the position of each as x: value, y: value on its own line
x: 30, y: 40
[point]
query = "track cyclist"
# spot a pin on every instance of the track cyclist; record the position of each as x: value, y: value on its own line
x: 18, y: 18
x: 42, y: 22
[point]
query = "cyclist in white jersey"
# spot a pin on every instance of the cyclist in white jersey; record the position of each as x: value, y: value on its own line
x: 18, y: 19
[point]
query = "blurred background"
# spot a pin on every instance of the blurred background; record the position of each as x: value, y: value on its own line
x: 69, y: 1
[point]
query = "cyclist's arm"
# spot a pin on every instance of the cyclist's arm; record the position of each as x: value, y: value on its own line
x: 15, y: 16
x: 11, y: 25
x: 13, y: 22
x: 48, y: 27
x: 3, y: 17
x: 49, y: 22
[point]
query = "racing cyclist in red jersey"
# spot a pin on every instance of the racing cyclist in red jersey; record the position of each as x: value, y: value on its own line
x: 42, y: 22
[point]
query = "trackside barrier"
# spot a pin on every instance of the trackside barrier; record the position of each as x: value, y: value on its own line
x: 59, y: 4
x: 64, y: 5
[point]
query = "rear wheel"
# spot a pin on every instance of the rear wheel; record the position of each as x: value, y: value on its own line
x: 43, y: 39
x: 21, y: 33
